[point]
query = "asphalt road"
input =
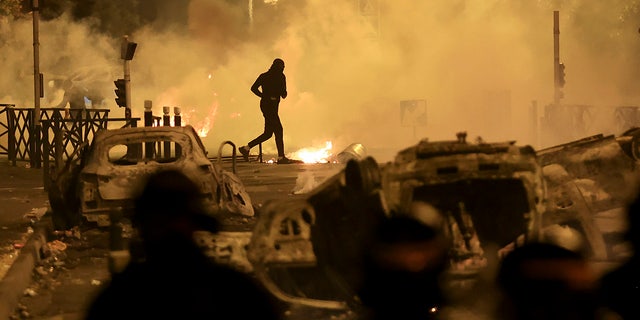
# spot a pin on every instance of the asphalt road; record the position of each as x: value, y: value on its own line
x: 76, y: 264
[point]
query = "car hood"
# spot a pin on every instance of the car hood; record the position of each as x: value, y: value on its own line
x: 115, y: 183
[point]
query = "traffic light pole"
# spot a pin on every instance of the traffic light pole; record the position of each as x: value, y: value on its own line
x: 556, y: 58
x: 127, y: 86
x: 123, y: 86
x: 127, y: 83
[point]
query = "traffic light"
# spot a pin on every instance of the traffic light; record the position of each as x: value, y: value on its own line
x: 127, y: 50
x: 561, y: 75
x: 121, y: 93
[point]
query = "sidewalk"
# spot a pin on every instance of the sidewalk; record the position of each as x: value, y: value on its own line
x: 23, y: 202
x: 19, y: 276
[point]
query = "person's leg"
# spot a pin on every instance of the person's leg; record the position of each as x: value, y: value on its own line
x: 269, y: 122
x: 278, y: 132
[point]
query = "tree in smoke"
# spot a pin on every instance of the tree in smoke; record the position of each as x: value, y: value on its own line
x: 49, y: 9
x: 113, y: 17
x: 11, y: 8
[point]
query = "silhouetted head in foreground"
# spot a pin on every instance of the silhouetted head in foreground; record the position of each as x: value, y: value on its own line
x: 176, y: 279
x: 277, y: 65
x: 170, y: 205
x: 546, y: 281
x: 633, y: 219
x: 401, y: 270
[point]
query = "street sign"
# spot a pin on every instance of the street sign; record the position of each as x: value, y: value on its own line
x: 413, y: 113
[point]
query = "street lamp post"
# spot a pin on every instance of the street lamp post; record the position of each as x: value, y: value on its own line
x: 37, y: 87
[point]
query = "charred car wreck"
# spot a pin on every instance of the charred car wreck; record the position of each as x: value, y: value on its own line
x: 488, y: 196
x: 590, y: 181
x: 105, y: 176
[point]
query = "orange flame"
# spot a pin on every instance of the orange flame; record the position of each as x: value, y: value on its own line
x: 314, y: 155
x: 203, y: 126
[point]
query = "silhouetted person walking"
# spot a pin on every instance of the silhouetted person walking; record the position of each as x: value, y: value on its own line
x: 175, y: 279
x: 620, y: 288
x: 74, y: 95
x: 274, y: 86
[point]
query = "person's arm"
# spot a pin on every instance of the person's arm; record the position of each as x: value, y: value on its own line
x: 65, y: 100
x: 256, y: 85
x: 284, y: 87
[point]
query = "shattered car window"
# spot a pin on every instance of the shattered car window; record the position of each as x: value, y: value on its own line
x: 496, y: 206
x: 162, y: 151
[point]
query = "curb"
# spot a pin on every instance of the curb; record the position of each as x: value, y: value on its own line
x: 20, y: 274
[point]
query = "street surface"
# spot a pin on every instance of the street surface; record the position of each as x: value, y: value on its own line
x: 22, y: 201
x: 77, y: 264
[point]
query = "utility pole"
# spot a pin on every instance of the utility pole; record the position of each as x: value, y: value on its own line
x: 557, y: 94
x: 37, y: 86
x: 250, y: 15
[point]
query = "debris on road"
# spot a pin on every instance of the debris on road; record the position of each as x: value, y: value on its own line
x: 30, y: 292
x: 56, y: 246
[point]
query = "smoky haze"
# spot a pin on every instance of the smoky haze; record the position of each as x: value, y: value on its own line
x: 479, y: 65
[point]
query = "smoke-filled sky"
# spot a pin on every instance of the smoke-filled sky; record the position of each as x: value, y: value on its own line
x: 479, y: 65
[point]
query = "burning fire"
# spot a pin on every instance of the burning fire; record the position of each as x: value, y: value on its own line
x: 314, y: 155
x: 203, y: 126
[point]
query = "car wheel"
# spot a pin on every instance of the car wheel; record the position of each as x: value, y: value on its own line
x: 362, y: 176
x: 64, y: 202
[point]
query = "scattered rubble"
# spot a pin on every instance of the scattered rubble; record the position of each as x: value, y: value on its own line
x: 30, y: 292
x: 52, y: 276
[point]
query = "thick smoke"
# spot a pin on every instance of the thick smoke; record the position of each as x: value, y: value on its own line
x: 478, y: 64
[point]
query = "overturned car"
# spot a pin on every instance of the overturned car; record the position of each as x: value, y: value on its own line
x: 488, y: 196
x: 590, y: 181
x: 106, y: 174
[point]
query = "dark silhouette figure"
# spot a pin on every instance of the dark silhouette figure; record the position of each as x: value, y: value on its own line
x: 274, y: 86
x: 402, y: 271
x: 546, y: 281
x: 620, y: 288
x: 74, y: 95
x: 175, y: 279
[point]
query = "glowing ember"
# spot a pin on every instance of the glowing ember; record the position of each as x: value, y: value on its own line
x: 313, y: 155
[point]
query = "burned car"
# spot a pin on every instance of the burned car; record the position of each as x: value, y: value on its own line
x: 488, y: 197
x: 590, y: 182
x: 488, y: 194
x: 105, y: 176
